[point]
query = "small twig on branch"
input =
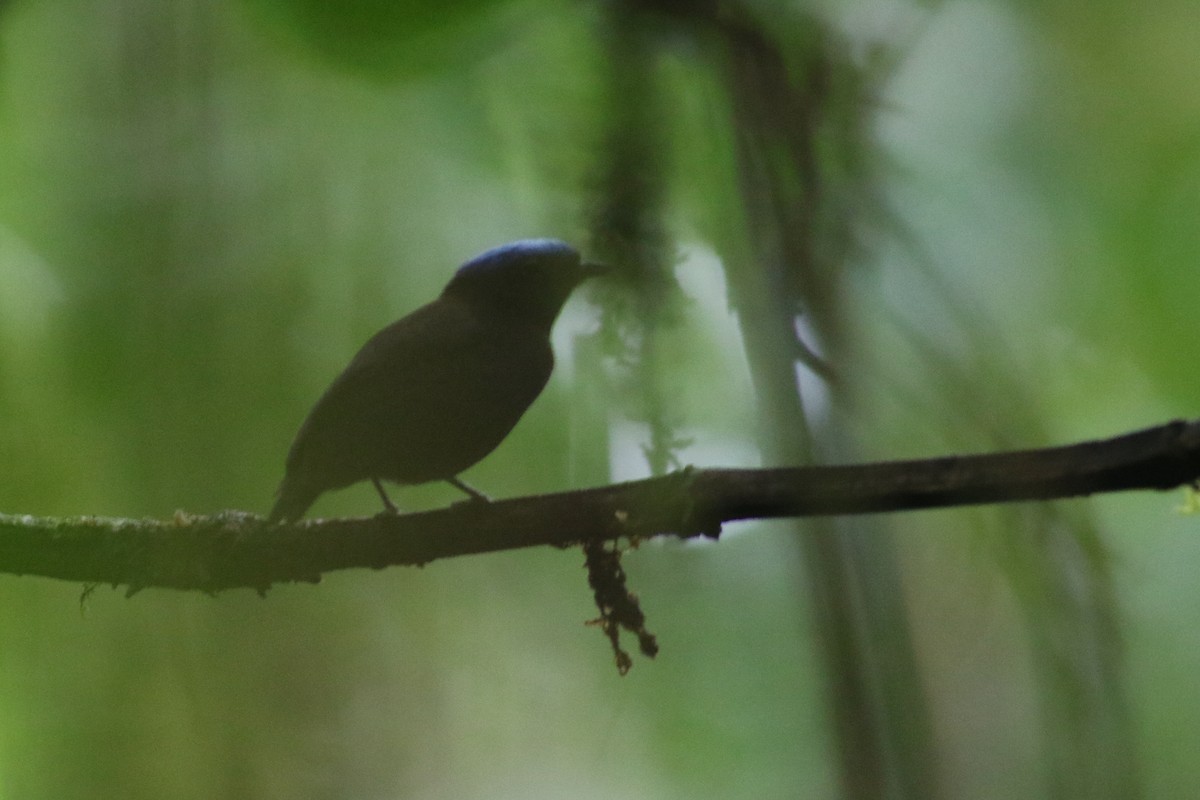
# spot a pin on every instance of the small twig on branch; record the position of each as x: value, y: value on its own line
x: 235, y: 549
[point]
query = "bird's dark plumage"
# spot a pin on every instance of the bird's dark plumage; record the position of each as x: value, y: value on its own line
x: 433, y: 393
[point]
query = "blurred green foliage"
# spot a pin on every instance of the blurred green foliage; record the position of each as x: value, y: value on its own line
x: 386, y: 40
x: 206, y: 207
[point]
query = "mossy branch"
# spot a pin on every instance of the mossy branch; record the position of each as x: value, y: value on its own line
x: 236, y: 549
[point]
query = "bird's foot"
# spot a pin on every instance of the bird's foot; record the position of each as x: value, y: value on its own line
x: 389, y: 508
x: 476, y: 495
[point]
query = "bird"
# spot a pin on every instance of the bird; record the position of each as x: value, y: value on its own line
x: 434, y: 392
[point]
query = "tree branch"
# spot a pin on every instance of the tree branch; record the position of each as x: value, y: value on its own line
x: 237, y: 549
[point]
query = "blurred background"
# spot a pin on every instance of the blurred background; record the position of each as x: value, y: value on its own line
x: 846, y: 231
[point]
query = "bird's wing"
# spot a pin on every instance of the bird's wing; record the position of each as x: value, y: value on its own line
x: 424, y: 398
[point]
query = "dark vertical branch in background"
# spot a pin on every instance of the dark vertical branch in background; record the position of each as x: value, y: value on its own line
x: 800, y: 241
x: 801, y: 115
x: 627, y: 220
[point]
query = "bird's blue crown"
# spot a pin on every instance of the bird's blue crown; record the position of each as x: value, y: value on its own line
x: 513, y: 252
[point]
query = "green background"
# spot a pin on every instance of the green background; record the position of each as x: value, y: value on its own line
x: 205, y: 207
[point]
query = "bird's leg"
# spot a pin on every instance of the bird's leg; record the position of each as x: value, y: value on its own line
x: 476, y: 495
x: 387, y: 501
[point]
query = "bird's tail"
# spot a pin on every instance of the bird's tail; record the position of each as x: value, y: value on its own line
x: 291, y: 501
